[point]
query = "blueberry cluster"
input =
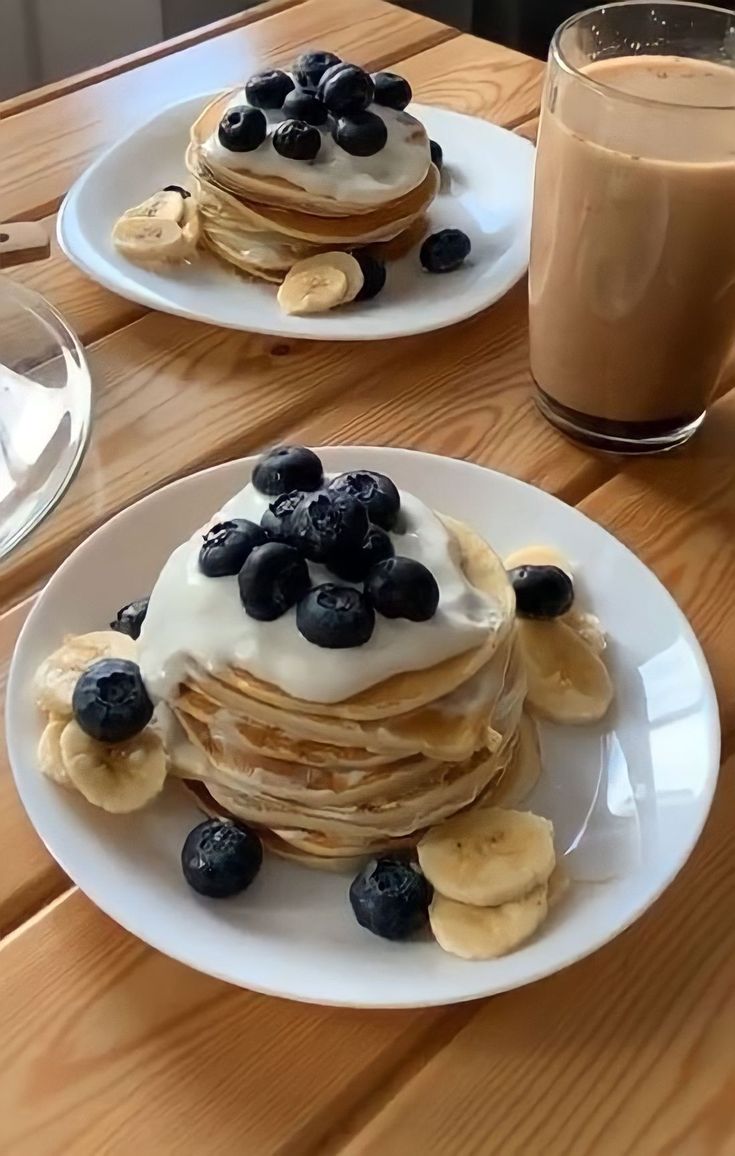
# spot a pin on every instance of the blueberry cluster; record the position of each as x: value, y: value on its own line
x: 322, y: 91
x: 342, y: 525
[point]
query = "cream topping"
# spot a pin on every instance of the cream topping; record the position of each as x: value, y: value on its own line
x: 399, y: 167
x: 193, y: 617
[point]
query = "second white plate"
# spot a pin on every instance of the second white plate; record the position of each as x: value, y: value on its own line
x: 489, y: 187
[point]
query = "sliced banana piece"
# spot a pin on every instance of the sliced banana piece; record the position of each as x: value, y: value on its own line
x: 166, y: 205
x: 488, y: 856
x: 319, y: 283
x: 538, y: 556
x: 50, y: 761
x: 118, y: 777
x: 486, y: 932
x: 588, y: 627
x: 150, y: 239
x: 567, y: 681
x: 56, y: 677
x: 558, y: 885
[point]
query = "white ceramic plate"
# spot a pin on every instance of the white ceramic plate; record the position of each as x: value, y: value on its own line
x: 628, y: 798
x: 489, y: 178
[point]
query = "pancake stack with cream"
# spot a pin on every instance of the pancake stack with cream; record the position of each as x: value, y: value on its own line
x: 320, y: 160
x: 337, y: 744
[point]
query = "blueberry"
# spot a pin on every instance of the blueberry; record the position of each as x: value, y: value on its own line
x: 304, y: 106
x: 335, y: 617
x: 129, y: 619
x: 376, y: 492
x: 242, y: 129
x: 268, y: 89
x: 346, y: 89
x: 110, y: 702
x: 391, y: 898
x: 361, y: 134
x: 288, y: 468
x: 541, y: 591
x: 227, y: 545
x: 391, y: 91
x: 403, y: 588
x: 373, y: 272
x: 355, y: 563
x: 310, y: 67
x: 220, y: 859
x: 272, y: 580
x: 443, y: 252
x: 277, y: 521
x: 177, y: 189
x: 437, y: 154
x: 324, y: 525
x: 297, y: 140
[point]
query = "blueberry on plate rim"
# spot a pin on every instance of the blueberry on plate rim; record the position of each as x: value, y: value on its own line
x: 272, y: 580
x: 335, y: 617
x: 391, y: 898
x: 309, y: 68
x: 242, y: 129
x: 361, y: 134
x: 541, y: 591
x: 296, y: 140
x: 110, y: 702
x: 391, y: 90
x: 376, y: 492
x: 176, y: 189
x: 445, y: 251
x: 129, y: 619
x: 346, y: 89
x: 402, y: 588
x: 220, y: 858
x: 437, y: 154
x: 373, y: 274
x: 227, y: 544
x: 300, y: 105
x: 287, y: 467
x: 268, y: 89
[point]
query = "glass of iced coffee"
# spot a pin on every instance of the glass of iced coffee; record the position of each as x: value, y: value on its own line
x: 632, y: 276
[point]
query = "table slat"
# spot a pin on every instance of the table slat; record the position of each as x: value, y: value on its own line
x: 625, y: 1054
x: 46, y: 148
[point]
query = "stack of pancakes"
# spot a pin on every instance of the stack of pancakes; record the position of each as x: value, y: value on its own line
x: 331, y: 782
x: 264, y: 224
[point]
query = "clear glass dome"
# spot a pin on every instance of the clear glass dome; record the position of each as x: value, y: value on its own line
x: 45, y: 402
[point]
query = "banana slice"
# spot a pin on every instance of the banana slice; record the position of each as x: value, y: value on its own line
x: 588, y: 627
x: 56, y: 677
x: 191, y: 225
x: 50, y: 761
x: 489, y: 856
x: 319, y: 283
x: 150, y: 239
x: 538, y: 556
x: 558, y: 885
x: 524, y: 770
x: 486, y: 932
x: 119, y: 777
x: 166, y: 205
x: 567, y: 681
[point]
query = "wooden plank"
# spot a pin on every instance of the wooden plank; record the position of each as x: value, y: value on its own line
x: 56, y: 88
x: 29, y: 876
x: 91, y: 310
x: 40, y: 160
x: 110, y: 1048
x: 677, y: 512
x: 478, y: 78
x: 629, y: 1051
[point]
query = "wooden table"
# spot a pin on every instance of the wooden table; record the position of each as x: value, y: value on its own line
x: 110, y: 1048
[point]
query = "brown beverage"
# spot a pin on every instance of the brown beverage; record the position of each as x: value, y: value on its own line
x: 632, y: 279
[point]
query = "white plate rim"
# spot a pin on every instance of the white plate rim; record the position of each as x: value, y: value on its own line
x: 129, y: 924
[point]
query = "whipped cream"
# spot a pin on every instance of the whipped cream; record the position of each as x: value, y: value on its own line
x: 399, y: 167
x: 195, y: 618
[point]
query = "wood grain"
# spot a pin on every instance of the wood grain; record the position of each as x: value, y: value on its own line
x: 46, y: 148
x: 478, y: 78
x: 110, y: 1048
x: 29, y: 876
x: 46, y: 92
x: 628, y: 1053
x: 91, y: 310
x: 677, y: 513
